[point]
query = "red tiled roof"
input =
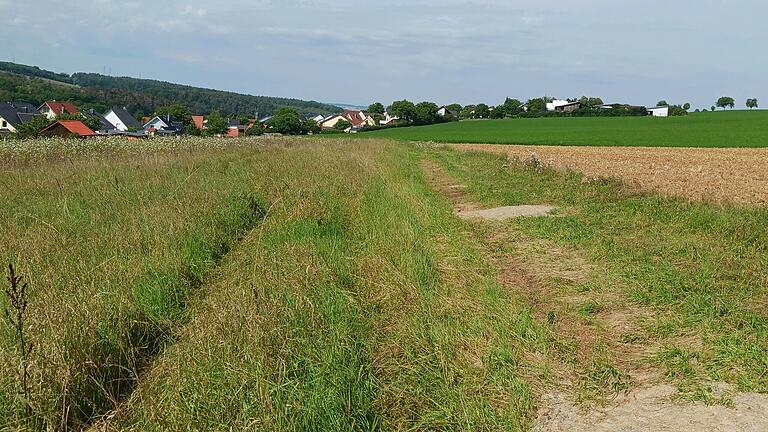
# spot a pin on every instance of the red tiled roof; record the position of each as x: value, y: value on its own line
x: 74, y: 126
x: 199, y: 121
x: 61, y: 107
x: 353, y: 117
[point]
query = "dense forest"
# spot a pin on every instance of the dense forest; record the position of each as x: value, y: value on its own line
x: 139, y: 96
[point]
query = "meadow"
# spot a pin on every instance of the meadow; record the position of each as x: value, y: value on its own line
x: 710, y: 129
x: 326, y: 284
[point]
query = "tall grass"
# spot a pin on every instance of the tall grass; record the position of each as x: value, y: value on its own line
x: 695, y: 274
x: 112, y: 249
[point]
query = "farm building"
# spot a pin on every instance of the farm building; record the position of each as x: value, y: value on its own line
x: 563, y: 106
x: 52, y: 109
x: 662, y: 111
x: 68, y: 128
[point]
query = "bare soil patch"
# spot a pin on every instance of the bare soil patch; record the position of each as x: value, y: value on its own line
x: 502, y: 213
x: 718, y: 174
x: 656, y: 409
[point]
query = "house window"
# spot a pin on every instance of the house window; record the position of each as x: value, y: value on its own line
x: 5, y: 124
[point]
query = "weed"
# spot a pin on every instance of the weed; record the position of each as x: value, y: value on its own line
x: 18, y: 300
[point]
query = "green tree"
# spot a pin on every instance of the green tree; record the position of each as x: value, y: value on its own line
x: 454, y: 108
x: 216, y: 125
x: 482, y: 111
x: 376, y: 108
x: 537, y: 105
x: 467, y: 112
x: 686, y: 106
x: 426, y: 113
x: 287, y: 121
x: 590, y: 102
x: 498, y: 112
x: 342, y: 125
x: 33, y: 127
x: 662, y: 103
x: 255, y: 130
x: 512, y: 107
x: 713, y: 108
x: 752, y: 103
x: 726, y: 102
x: 404, y: 110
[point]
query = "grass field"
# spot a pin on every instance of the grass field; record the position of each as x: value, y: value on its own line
x: 280, y: 284
x: 718, y: 129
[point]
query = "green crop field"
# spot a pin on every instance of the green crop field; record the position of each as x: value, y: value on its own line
x: 711, y: 129
x: 283, y: 284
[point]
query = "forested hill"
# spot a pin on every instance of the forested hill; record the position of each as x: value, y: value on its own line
x: 140, y: 96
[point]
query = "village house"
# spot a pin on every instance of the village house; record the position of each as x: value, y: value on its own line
x: 358, y: 119
x: 235, y: 129
x: 52, y: 109
x: 122, y: 120
x: 68, y: 128
x: 163, y: 125
x: 199, y: 121
x: 443, y: 111
x: 13, y: 114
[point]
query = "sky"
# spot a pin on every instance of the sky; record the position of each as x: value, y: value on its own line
x: 444, y: 51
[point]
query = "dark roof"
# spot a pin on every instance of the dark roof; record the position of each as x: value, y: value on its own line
x: 9, y: 114
x: 128, y: 120
x: 25, y: 117
x: 16, y: 113
x: 24, y: 107
x: 234, y: 123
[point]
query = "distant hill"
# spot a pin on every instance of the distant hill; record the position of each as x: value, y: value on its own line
x: 140, y: 96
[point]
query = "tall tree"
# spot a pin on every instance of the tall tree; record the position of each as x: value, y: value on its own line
x: 752, y: 103
x: 537, y: 105
x: 726, y: 102
x: 426, y: 113
x: 287, y: 121
x: 482, y: 111
x: 404, y: 110
x: 216, y: 124
x: 512, y: 107
x: 376, y: 108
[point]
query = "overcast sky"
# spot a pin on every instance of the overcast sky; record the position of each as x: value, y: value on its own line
x: 464, y: 51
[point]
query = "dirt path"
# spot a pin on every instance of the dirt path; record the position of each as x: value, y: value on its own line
x: 724, y: 175
x: 631, y: 395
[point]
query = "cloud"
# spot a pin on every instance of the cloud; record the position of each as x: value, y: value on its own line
x: 461, y: 50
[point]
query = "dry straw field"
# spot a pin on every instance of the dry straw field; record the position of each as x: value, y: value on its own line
x: 717, y: 174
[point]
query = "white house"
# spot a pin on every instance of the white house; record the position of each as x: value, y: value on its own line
x: 122, y: 119
x: 659, y: 111
x: 52, y: 109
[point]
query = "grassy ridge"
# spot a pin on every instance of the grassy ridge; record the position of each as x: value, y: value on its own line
x: 720, y: 129
x: 112, y: 251
x: 339, y: 313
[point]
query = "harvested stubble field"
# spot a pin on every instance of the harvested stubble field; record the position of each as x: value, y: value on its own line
x: 283, y: 284
x: 722, y: 175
